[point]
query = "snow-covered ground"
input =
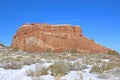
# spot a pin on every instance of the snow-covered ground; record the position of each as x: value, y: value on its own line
x: 20, y: 65
x: 20, y: 74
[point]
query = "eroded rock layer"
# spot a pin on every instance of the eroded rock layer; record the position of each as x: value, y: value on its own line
x: 56, y: 38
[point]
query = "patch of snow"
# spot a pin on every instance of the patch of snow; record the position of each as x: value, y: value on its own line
x: 24, y: 25
x: 20, y: 74
x: 13, y: 75
x: 47, y: 77
x: 47, y: 64
x: 72, y: 75
x: 106, y: 60
x: 87, y: 75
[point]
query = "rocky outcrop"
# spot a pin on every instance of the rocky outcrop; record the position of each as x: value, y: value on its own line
x: 57, y: 38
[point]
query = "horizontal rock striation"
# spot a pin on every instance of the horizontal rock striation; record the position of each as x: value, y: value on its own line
x: 56, y: 38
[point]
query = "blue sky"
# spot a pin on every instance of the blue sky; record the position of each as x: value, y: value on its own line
x: 99, y: 19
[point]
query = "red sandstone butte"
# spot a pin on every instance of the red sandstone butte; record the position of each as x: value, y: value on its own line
x: 57, y: 38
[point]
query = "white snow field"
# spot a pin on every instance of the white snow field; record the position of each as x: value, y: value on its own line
x: 21, y: 65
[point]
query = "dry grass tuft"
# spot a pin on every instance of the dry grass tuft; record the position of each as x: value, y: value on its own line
x: 58, y: 69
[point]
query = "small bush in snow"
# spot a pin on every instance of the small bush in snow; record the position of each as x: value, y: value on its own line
x: 34, y: 72
x: 37, y: 72
x: 34, y: 75
x: 30, y: 72
x: 102, y: 67
x: 96, y: 69
x: 58, y: 69
x: 77, y: 66
x: 44, y: 71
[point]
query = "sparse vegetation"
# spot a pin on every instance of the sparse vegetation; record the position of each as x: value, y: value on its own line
x: 38, y: 73
x: 102, y: 67
x: 44, y: 71
x: 12, y: 66
x: 61, y: 64
x: 1, y: 44
x: 49, y: 50
x: 115, y: 53
x: 77, y: 66
x: 58, y: 69
x: 15, y: 49
x: 73, y: 50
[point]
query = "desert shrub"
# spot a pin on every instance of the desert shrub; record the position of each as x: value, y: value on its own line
x: 38, y: 60
x: 44, y: 71
x: 58, y: 69
x: 96, y: 69
x: 32, y: 56
x: 113, y: 53
x: 73, y: 50
x: 107, y: 66
x: 37, y: 72
x: 87, y: 61
x: 102, y: 67
x: 77, y: 66
x: 34, y: 72
x: 12, y: 66
x: 34, y: 75
x: 83, y: 66
x: 98, y: 61
x: 17, y: 59
x: 3, y: 54
x: 1, y: 45
x: 15, y: 49
x: 65, y: 51
x: 48, y: 50
x: 30, y: 72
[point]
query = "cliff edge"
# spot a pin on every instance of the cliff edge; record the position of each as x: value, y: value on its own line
x: 56, y: 38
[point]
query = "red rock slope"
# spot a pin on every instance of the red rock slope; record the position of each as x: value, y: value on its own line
x: 57, y: 38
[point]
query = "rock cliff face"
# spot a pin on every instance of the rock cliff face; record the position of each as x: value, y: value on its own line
x: 57, y: 38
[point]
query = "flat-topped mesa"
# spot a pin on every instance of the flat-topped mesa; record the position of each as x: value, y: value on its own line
x: 51, y: 29
x: 57, y: 38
